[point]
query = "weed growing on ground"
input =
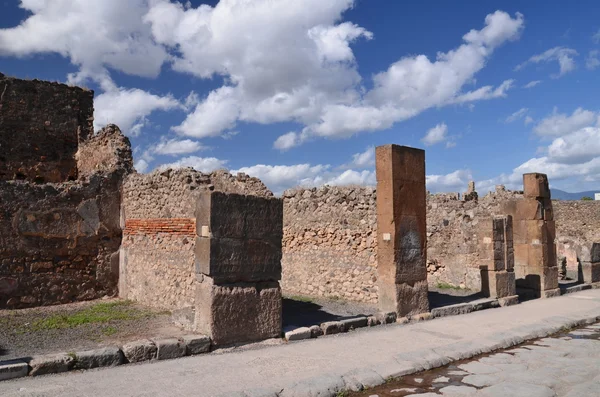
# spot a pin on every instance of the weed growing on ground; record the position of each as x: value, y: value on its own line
x: 103, y: 312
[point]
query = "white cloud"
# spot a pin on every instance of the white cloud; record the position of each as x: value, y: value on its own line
x: 560, y: 123
x: 596, y: 37
x: 202, y: 164
x: 564, y: 56
x: 519, y: 114
x: 578, y: 147
x: 592, y: 61
x: 281, y: 177
x: 128, y: 108
x: 141, y: 165
x: 532, y: 84
x: 437, y: 134
x: 175, y: 147
x: 528, y: 120
x: 93, y: 35
x: 364, y: 159
x: 454, y: 182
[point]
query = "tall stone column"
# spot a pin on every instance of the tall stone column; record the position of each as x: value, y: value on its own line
x: 238, y: 267
x: 401, y: 230
x: 590, y: 264
x: 536, y: 266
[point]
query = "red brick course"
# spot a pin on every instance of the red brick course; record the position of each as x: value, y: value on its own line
x: 176, y: 226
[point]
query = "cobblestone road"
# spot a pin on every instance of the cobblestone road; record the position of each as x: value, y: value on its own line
x: 567, y: 365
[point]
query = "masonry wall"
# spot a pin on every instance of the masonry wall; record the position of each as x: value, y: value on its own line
x: 329, y: 243
x: 158, y: 216
x: 41, y: 126
x: 59, y: 243
x: 330, y: 250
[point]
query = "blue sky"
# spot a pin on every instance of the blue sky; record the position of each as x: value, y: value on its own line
x: 300, y: 92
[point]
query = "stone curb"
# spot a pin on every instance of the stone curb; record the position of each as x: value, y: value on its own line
x: 331, y: 385
x: 110, y: 356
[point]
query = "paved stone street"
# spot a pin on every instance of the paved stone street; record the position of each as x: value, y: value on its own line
x: 366, y: 358
x: 565, y: 365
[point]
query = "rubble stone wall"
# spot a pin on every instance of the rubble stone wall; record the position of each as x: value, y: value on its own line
x: 329, y: 243
x: 158, y: 213
x: 59, y: 243
x: 41, y: 126
x: 107, y: 150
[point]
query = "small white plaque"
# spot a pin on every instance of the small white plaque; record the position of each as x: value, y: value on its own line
x: 205, y: 231
x: 487, y: 240
x: 387, y: 236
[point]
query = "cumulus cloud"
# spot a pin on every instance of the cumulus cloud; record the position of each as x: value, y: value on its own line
x: 532, y: 84
x: 364, y: 159
x: 453, y: 182
x: 129, y: 108
x: 564, y: 56
x: 437, y: 134
x: 175, y: 147
x: 592, y: 62
x: 93, y: 35
x: 202, y: 164
x: 281, y: 177
x: 559, y: 124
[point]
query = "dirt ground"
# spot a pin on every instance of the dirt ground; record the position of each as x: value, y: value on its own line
x: 79, y: 326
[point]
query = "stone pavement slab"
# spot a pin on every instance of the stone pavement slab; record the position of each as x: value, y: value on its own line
x: 325, y: 366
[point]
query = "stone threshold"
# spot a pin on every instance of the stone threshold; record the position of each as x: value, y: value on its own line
x: 110, y: 356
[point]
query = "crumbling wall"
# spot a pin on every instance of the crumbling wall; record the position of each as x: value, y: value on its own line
x: 41, y: 126
x: 329, y: 243
x: 159, y: 221
x: 58, y: 242
x: 105, y: 151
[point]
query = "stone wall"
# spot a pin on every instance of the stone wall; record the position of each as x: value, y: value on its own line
x: 107, y: 150
x: 58, y: 242
x: 41, y: 126
x: 158, y: 213
x: 329, y: 243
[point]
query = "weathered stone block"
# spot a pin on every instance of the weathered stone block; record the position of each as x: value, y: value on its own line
x: 353, y: 323
x: 521, y: 252
x: 541, y: 232
x: 412, y: 299
x: 169, y: 348
x: 51, y: 364
x: 13, y: 369
x: 234, y: 260
x: 298, y: 334
x: 591, y: 272
x: 542, y: 255
x: 501, y: 284
x: 520, y: 228
x: 196, y: 344
x: 105, y: 357
x: 332, y: 327
x: 535, y: 185
x: 234, y: 313
x: 508, y: 301
x: 315, y: 331
x: 140, y: 350
x: 240, y: 217
x: 529, y: 209
x: 538, y: 278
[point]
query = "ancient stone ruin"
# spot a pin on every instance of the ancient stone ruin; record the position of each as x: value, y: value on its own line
x: 78, y: 223
x: 59, y: 206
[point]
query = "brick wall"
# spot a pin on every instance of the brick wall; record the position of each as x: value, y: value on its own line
x: 172, y: 226
x: 41, y: 126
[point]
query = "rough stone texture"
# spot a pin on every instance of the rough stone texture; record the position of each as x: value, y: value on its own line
x: 196, y: 344
x: 13, y: 369
x: 169, y: 348
x: 329, y: 243
x: 141, y: 350
x: 239, y: 237
x: 497, y: 257
x: 107, y: 150
x: 401, y: 230
x: 58, y: 242
x: 105, y: 357
x: 41, y: 126
x: 242, y: 312
x: 298, y: 334
x: 50, y: 364
x: 158, y: 213
x: 332, y: 327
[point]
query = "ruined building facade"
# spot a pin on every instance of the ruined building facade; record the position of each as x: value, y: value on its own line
x: 59, y: 196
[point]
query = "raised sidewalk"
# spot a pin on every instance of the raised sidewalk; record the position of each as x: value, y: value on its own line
x: 324, y: 366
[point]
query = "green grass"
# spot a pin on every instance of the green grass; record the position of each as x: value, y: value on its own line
x: 442, y: 285
x: 99, y: 313
x: 108, y: 331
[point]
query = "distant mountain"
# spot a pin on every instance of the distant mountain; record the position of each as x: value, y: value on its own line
x: 562, y: 195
